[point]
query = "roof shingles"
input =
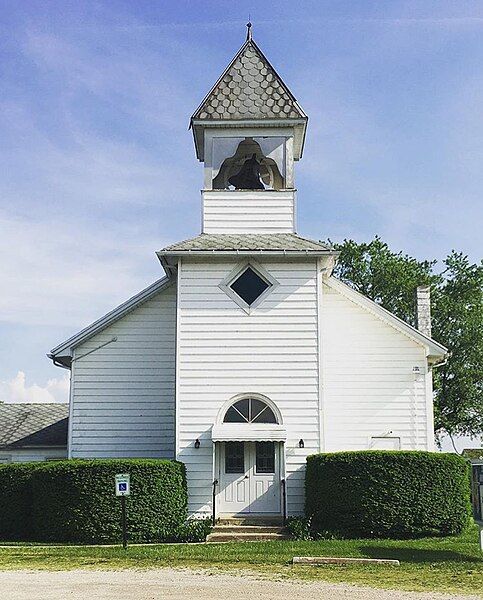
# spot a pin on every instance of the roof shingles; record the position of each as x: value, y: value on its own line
x: 249, y: 89
x: 33, y: 425
x: 222, y: 242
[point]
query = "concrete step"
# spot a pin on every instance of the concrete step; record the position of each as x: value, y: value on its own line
x: 246, y: 537
x: 244, y: 521
x: 248, y: 529
x: 228, y: 531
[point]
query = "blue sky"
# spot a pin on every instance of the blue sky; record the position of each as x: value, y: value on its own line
x: 98, y: 168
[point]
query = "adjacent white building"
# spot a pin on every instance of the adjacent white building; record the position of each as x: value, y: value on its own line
x: 248, y: 355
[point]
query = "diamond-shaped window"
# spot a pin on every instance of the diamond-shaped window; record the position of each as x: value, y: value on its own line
x: 249, y: 286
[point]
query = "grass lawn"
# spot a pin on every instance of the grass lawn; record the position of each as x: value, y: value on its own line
x: 453, y: 564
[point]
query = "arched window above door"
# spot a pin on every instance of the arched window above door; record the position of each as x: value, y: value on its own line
x: 250, y: 410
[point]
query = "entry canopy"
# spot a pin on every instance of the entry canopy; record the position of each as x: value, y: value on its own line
x: 248, y: 432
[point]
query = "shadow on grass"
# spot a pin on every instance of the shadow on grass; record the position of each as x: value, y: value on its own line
x: 414, y: 555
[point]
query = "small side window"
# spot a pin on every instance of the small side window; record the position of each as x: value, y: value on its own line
x: 265, y: 457
x: 234, y: 457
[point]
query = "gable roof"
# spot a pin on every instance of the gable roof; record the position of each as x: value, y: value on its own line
x: 247, y: 242
x: 249, y: 88
x: 28, y: 425
x: 435, y: 349
x: 271, y: 244
x: 62, y: 352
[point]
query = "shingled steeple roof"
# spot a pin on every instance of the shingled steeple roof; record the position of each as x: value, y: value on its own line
x: 249, y: 88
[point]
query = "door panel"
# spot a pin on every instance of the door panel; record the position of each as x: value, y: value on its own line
x: 249, y: 476
x: 265, y: 479
x: 241, y: 491
x: 234, y: 482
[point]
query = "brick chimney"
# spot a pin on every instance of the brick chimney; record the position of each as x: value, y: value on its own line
x: 423, y: 309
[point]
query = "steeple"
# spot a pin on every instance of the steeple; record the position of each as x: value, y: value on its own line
x: 248, y: 131
x: 249, y: 90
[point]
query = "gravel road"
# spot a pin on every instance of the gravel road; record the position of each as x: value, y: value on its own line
x: 181, y: 585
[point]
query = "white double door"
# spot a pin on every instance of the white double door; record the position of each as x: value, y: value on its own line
x: 249, y: 478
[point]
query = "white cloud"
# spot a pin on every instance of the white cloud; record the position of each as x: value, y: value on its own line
x: 84, y: 206
x: 16, y: 391
x: 83, y: 170
x: 59, y: 273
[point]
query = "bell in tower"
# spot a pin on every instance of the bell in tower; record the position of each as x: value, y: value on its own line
x: 249, y: 169
x: 248, y: 177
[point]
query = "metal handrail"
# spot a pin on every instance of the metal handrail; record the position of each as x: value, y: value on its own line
x: 213, y: 516
x: 284, y: 500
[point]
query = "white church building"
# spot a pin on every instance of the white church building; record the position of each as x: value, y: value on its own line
x: 248, y: 355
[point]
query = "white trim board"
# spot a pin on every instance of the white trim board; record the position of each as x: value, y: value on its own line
x: 434, y: 348
x: 248, y: 432
x: 65, y: 348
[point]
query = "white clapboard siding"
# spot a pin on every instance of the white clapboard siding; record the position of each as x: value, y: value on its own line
x: 32, y: 454
x: 248, y: 212
x: 123, y: 393
x: 223, y: 352
x: 369, y: 386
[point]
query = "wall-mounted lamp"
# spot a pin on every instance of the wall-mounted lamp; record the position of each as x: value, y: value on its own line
x: 197, y: 444
x: 301, y: 443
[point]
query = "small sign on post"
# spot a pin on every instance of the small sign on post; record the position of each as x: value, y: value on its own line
x: 122, y: 484
x: 123, y: 489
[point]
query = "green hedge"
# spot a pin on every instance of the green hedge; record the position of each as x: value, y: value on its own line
x: 74, y: 501
x: 16, y: 500
x: 387, y: 494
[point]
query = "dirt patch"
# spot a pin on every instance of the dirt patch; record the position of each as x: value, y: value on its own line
x: 182, y: 584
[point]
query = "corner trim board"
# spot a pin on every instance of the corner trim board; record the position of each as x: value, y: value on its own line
x: 176, y: 386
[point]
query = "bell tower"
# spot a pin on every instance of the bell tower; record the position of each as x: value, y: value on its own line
x: 248, y: 131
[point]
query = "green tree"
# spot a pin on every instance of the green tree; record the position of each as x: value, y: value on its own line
x: 390, y: 279
x: 458, y: 324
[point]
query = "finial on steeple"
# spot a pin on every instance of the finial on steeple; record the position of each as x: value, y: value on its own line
x: 249, y: 29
